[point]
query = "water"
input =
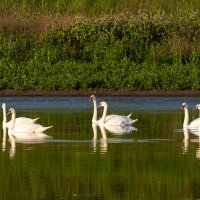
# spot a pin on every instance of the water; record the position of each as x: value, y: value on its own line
x: 155, y: 160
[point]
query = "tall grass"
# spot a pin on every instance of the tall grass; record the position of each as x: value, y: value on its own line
x: 89, y: 7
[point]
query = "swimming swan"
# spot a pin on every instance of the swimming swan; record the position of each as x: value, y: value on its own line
x: 108, y: 117
x: 193, y: 124
x: 24, y: 128
x: 18, y: 120
x: 120, y: 120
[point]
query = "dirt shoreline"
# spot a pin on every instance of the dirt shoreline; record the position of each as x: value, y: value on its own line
x: 99, y: 92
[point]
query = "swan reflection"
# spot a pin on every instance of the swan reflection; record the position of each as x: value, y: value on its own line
x: 13, y: 146
x: 4, y: 139
x: 12, y: 142
x: 28, y: 138
x: 187, y: 132
x: 103, y: 141
x: 185, y: 140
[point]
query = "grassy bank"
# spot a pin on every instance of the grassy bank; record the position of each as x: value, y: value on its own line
x: 151, y: 49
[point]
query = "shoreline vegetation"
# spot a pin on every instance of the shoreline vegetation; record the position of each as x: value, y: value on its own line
x: 99, y: 92
x: 117, y: 47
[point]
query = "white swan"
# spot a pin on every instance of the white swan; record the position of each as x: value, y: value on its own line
x: 108, y: 117
x: 18, y: 120
x: 120, y: 120
x: 24, y: 130
x: 192, y: 125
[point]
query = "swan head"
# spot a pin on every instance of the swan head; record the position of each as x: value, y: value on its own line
x: 197, y: 107
x: 92, y: 98
x: 102, y: 104
x: 3, y: 105
x: 11, y: 111
x: 184, y: 105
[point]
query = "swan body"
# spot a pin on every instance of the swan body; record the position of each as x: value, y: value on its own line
x: 18, y: 121
x: 119, y: 120
x: 192, y: 125
x: 108, y: 117
x: 120, y: 130
x: 26, y: 129
x: 30, y: 137
x: 30, y: 128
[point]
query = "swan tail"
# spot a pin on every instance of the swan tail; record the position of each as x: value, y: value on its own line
x: 133, y: 121
x: 129, y: 115
x: 34, y: 120
x: 42, y: 129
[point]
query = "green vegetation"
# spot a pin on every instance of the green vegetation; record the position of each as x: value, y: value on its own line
x: 154, y: 49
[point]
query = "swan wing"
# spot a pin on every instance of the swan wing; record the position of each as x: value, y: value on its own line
x: 119, y: 121
x: 25, y: 120
x: 20, y: 121
x: 30, y: 128
x: 108, y: 117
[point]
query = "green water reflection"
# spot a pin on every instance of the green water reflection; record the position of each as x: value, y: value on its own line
x: 85, y: 162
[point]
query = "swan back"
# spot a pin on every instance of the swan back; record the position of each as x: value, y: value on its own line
x: 120, y: 121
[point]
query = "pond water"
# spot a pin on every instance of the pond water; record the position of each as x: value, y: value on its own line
x: 154, y: 160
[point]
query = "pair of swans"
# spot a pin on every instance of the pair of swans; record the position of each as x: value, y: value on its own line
x: 22, y: 127
x: 109, y: 120
x: 195, y: 124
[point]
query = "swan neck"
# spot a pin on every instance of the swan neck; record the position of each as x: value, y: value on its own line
x: 94, y: 118
x: 104, y: 113
x: 94, y: 128
x: 186, y: 117
x: 13, y: 120
x: 4, y: 116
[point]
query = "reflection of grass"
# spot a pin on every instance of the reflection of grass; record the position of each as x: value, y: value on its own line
x: 57, y: 171
x: 137, y: 49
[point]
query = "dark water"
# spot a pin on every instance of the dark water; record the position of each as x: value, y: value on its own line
x: 153, y: 161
